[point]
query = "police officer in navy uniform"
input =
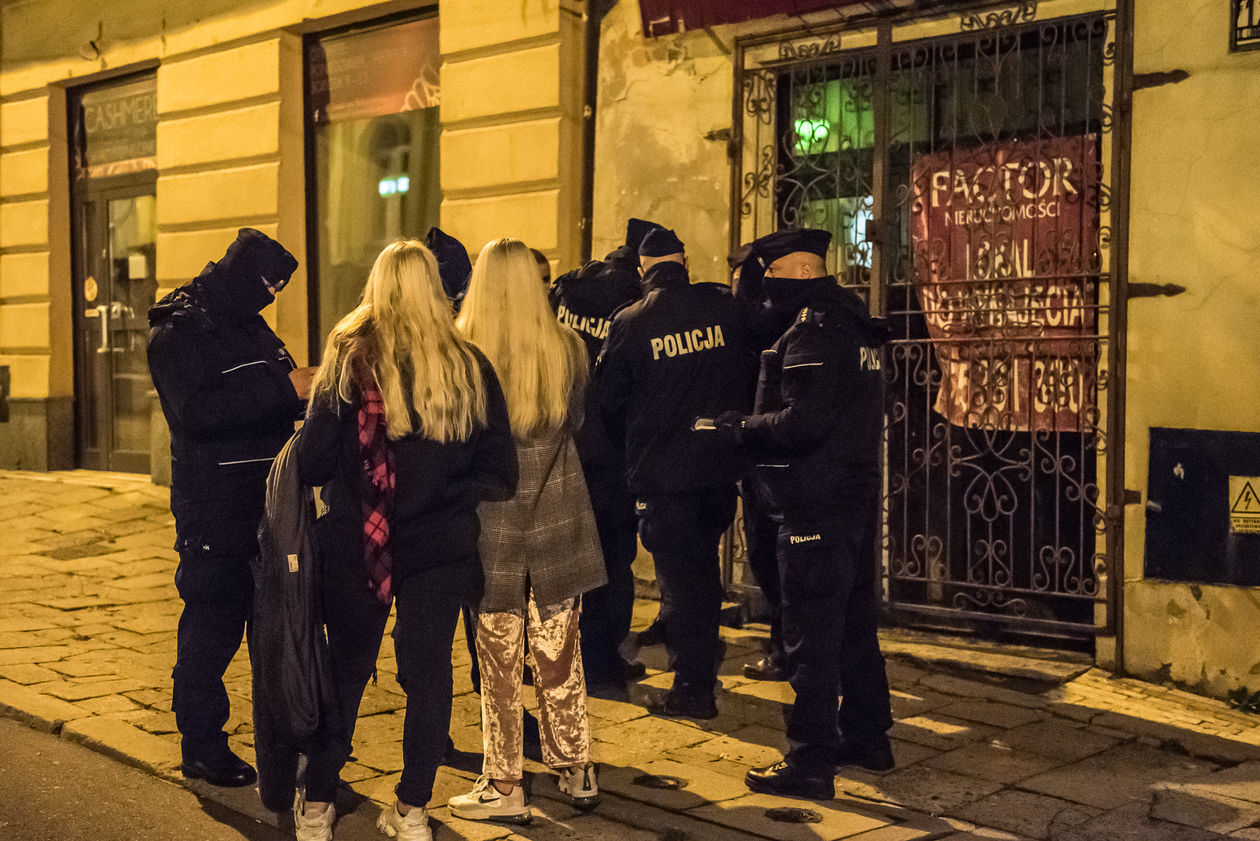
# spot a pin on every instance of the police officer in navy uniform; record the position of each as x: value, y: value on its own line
x: 815, y: 436
x: 772, y: 307
x: 585, y: 299
x: 679, y: 353
x: 230, y: 393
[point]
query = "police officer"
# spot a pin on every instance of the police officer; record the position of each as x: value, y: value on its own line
x: 678, y: 354
x: 815, y: 436
x: 585, y: 300
x: 769, y: 316
x: 230, y: 393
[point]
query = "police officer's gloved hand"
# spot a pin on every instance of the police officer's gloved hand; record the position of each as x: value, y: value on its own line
x: 730, y: 427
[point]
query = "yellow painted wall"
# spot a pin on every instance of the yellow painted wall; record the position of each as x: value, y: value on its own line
x: 657, y: 100
x: 511, y: 123
x: 1194, y: 359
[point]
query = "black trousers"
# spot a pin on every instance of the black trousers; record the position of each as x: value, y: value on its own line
x: 826, y: 564
x: 606, y: 611
x: 217, y: 590
x: 761, y: 535
x: 424, y: 631
x: 682, y: 531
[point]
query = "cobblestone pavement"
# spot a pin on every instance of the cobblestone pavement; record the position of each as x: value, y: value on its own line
x: 87, y: 638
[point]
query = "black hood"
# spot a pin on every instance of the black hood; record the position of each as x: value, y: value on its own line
x: 237, y: 283
x: 597, y: 288
x: 234, y: 285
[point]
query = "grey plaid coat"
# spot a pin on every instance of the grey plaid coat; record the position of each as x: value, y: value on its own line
x: 543, y: 537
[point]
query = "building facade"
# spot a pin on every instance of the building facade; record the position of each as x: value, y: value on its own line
x: 135, y: 144
x: 1050, y: 200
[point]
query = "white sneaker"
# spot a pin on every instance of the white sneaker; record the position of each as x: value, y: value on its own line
x: 313, y: 827
x: 413, y: 826
x: 578, y: 783
x: 487, y: 803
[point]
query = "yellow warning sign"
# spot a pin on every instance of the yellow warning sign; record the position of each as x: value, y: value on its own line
x: 1244, y: 504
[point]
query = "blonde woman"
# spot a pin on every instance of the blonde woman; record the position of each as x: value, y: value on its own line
x: 407, y: 433
x: 539, y: 550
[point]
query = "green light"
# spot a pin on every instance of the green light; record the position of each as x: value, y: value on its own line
x: 393, y: 186
x: 811, y: 133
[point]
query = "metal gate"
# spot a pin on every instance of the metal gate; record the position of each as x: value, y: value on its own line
x: 966, y: 182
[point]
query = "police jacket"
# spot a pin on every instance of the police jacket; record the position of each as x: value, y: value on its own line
x: 437, y: 488
x: 679, y: 353
x: 222, y: 377
x: 817, y: 423
x: 586, y: 300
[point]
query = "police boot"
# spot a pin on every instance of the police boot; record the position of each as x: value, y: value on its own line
x: 674, y: 704
x: 872, y: 754
x: 783, y: 779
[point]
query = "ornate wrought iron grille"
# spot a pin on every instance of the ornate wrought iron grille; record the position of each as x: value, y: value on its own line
x: 962, y: 179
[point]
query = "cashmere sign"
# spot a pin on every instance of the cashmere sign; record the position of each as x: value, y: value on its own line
x: 1005, y: 266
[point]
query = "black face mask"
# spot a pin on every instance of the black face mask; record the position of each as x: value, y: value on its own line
x: 252, y: 263
x: 791, y: 292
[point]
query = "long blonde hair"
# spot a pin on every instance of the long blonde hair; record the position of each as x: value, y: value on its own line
x: 541, y: 363
x: 426, y: 371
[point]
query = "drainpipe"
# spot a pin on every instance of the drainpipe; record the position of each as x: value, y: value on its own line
x: 1116, y: 495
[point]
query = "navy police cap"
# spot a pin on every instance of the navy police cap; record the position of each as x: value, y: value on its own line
x: 660, y: 242
x: 636, y: 230
x: 771, y: 247
x: 454, y: 267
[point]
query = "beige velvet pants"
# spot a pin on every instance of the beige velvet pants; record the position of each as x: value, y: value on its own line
x: 554, y: 644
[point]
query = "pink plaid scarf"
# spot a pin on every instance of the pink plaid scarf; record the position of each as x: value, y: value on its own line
x: 378, y: 496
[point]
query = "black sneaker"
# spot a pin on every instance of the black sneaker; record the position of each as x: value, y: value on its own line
x: 682, y: 705
x: 767, y: 668
x: 784, y: 779
x: 874, y: 755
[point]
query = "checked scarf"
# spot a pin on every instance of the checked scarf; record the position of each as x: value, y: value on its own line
x: 378, y: 496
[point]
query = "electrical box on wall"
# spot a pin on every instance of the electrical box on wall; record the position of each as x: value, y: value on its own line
x: 1203, y: 507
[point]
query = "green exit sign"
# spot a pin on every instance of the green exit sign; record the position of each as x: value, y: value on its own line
x: 393, y: 186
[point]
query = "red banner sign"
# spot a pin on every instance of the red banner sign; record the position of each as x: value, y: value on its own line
x: 664, y: 17
x: 374, y: 73
x: 1006, y: 262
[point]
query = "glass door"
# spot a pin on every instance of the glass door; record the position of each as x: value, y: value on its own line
x: 115, y: 285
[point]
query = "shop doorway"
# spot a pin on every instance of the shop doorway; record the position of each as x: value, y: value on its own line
x: 964, y: 181
x: 115, y: 276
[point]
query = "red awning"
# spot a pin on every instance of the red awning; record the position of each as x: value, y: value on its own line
x: 663, y: 17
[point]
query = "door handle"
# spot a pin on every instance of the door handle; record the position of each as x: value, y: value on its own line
x: 102, y: 314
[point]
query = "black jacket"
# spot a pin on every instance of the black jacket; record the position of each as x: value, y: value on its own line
x: 587, y: 298
x: 586, y: 301
x: 680, y: 353
x: 437, y: 487
x: 222, y: 377
x: 293, y: 688
x: 819, y: 412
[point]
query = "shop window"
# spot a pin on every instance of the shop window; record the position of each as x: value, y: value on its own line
x: 373, y: 128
